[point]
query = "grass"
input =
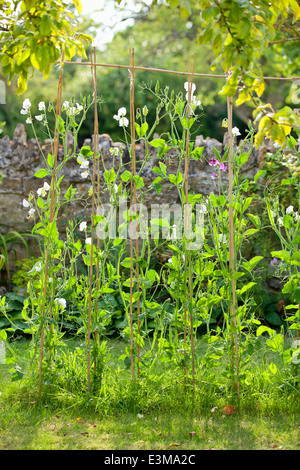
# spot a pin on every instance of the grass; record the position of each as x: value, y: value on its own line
x: 153, y: 417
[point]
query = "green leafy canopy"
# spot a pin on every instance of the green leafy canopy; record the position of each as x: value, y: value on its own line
x: 34, y: 34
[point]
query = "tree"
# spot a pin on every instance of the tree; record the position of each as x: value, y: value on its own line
x: 34, y: 34
x: 242, y: 34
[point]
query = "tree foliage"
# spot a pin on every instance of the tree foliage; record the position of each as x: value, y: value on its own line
x: 242, y: 33
x: 34, y: 34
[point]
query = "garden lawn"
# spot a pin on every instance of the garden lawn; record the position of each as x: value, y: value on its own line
x: 63, y: 422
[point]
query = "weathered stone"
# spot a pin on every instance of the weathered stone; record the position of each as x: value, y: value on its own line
x: 20, y: 136
x: 19, y: 160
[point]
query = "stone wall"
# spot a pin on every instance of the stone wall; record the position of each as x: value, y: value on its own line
x: 20, y: 158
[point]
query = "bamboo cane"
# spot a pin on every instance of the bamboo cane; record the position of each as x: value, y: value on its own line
x: 174, y: 72
x: 187, y: 225
x: 133, y: 190
x: 51, y: 211
x: 98, y: 202
x: 96, y: 146
x: 96, y: 142
x: 231, y: 233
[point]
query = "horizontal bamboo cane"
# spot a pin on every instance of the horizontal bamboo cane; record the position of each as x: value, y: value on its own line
x: 176, y: 72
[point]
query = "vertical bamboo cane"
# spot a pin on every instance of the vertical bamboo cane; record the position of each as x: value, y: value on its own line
x: 51, y: 212
x: 132, y: 112
x: 133, y: 190
x: 187, y: 224
x: 96, y: 142
x: 96, y: 146
x: 231, y: 232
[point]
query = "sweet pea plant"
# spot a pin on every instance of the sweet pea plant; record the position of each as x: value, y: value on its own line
x: 285, y: 221
x: 166, y: 316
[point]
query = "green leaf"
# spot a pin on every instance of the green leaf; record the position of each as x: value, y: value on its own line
x: 242, y: 158
x: 45, y: 26
x: 287, y: 181
x: 249, y: 265
x: 126, y: 263
x: 126, y: 176
x: 60, y: 125
x: 22, y: 83
x: 86, y: 151
x: 176, y: 179
x: 246, y: 203
x: 70, y: 193
x: 290, y: 286
x: 273, y: 368
x: 3, y: 335
x: 50, y: 160
x: 109, y: 175
x: 217, y: 201
x: 281, y: 254
x: 157, y: 142
x: 297, y: 295
x: 138, y: 181
x: 262, y: 329
x: 254, y: 219
x: 246, y: 287
x: 141, y: 130
x: 197, y: 153
x: 42, y: 173
x: 78, y: 6
x: 273, y: 318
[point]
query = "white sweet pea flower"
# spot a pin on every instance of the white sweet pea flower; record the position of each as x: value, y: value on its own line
x: 65, y: 105
x: 26, y: 103
x: 79, y: 107
x: 71, y: 110
x: 28, y: 120
x: 114, y: 151
x: 296, y: 344
x: 31, y: 213
x: 39, y: 117
x: 43, y: 191
x: 85, y: 174
x: 83, y: 162
x: 123, y: 121
x: 280, y: 221
x: 62, y: 302
x: 192, y: 85
x: 297, y: 216
x: 193, y: 98
x: 88, y: 241
x: 174, y: 232
x: 38, y: 267
x: 222, y: 238
x: 25, y: 203
x: 195, y: 102
x: 42, y: 106
x: 26, y: 106
x: 289, y: 210
x: 82, y: 226
x: 235, y: 131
